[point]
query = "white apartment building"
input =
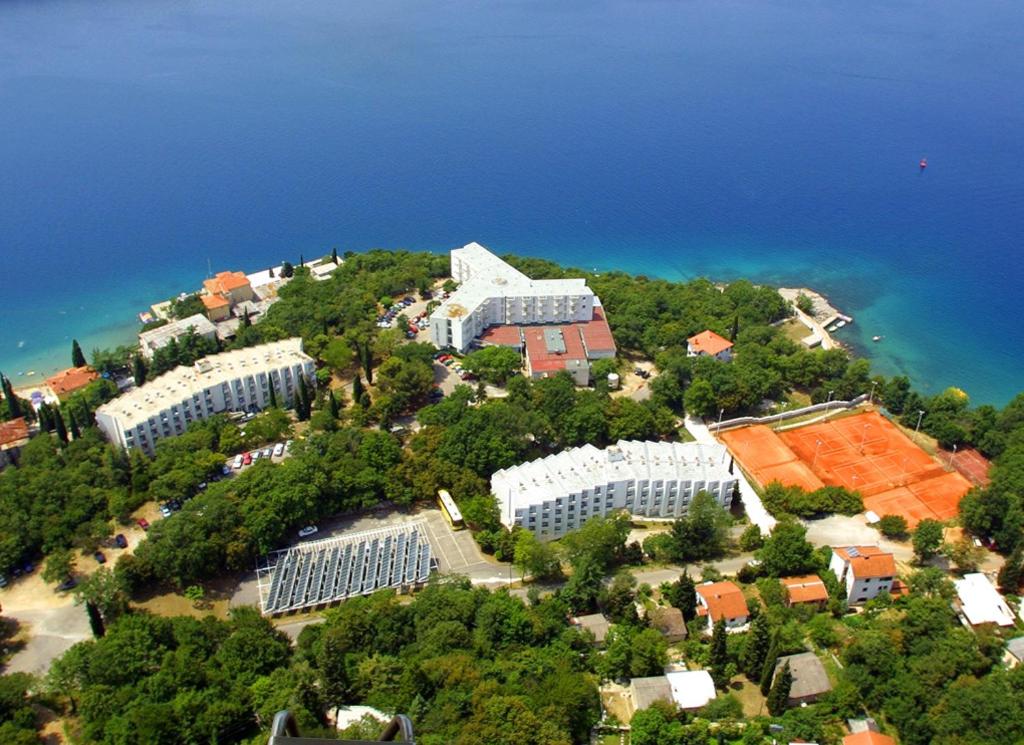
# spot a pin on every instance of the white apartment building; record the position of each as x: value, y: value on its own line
x: 239, y: 380
x: 491, y: 292
x: 553, y: 495
x: 867, y: 571
x: 150, y: 341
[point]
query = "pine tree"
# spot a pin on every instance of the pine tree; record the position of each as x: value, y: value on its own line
x: 138, y: 369
x: 273, y: 394
x: 758, y: 642
x: 246, y: 321
x: 357, y: 389
x: 333, y: 404
x: 735, y: 328
x: 77, y: 358
x: 95, y: 620
x: 768, y: 669
x: 719, y: 657
x: 302, y: 260
x: 13, y: 402
x: 334, y: 256
x: 58, y: 423
x: 73, y: 426
x: 778, y: 696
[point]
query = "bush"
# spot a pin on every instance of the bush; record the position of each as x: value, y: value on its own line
x: 893, y: 526
x: 752, y: 538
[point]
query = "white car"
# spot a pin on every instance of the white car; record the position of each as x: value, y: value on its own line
x: 308, y: 531
x: 279, y: 450
x: 237, y: 462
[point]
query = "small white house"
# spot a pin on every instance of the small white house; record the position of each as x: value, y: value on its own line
x: 709, y: 344
x: 867, y: 571
x: 980, y: 602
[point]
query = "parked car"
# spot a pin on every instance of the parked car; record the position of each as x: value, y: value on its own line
x: 287, y: 445
x: 175, y: 505
x: 100, y: 558
x: 246, y: 459
x: 3, y: 581
x: 67, y: 584
x: 279, y: 450
x: 308, y: 531
x: 225, y: 470
x: 255, y: 454
x: 143, y: 523
x: 165, y: 510
x: 267, y: 452
x: 120, y: 541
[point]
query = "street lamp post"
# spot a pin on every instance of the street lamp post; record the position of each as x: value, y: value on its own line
x: 920, y: 416
x: 871, y: 397
x: 828, y: 401
x: 719, y: 425
x: 951, y: 457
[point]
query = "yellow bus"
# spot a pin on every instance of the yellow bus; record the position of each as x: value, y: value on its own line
x: 450, y: 510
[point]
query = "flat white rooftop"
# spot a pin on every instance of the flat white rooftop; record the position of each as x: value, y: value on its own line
x: 573, y: 470
x: 981, y: 602
x: 491, y: 277
x: 158, y: 337
x: 185, y: 381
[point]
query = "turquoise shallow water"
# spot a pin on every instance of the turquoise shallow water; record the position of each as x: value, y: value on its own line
x: 728, y: 139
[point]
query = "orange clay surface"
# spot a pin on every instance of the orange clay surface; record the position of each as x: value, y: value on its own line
x: 864, y: 453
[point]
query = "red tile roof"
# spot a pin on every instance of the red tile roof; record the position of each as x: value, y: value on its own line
x: 226, y: 282
x: 808, y: 589
x: 70, y: 380
x: 868, y: 738
x: 214, y: 301
x: 597, y: 335
x: 724, y: 600
x: 868, y: 561
x: 709, y: 343
x: 13, y: 432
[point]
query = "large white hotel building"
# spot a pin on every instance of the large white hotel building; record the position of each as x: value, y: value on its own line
x: 492, y: 292
x: 239, y: 380
x: 553, y: 495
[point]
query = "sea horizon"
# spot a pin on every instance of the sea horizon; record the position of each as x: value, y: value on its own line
x: 730, y: 140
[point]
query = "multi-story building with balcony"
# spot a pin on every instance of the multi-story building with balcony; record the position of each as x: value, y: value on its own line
x: 239, y: 380
x: 553, y: 495
x: 493, y: 293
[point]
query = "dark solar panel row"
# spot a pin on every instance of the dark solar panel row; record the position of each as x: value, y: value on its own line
x: 309, y: 578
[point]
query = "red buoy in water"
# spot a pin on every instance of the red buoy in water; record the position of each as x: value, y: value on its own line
x: 923, y: 163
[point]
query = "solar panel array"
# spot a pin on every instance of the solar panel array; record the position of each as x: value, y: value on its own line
x: 315, y: 574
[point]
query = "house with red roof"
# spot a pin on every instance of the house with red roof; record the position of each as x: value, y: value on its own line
x: 867, y: 571
x: 14, y: 435
x: 868, y: 737
x: 722, y: 601
x: 806, y: 590
x: 709, y: 344
x: 66, y: 382
x: 223, y: 292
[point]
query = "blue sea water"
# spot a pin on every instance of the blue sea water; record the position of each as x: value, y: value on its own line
x: 767, y: 139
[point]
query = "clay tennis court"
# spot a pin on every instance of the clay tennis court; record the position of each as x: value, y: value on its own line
x: 864, y: 453
x: 971, y: 464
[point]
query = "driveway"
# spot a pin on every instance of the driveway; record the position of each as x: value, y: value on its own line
x: 50, y: 633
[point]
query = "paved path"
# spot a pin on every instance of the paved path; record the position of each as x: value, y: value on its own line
x: 50, y: 632
x: 751, y: 501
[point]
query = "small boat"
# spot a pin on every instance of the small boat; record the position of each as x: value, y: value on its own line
x: 877, y: 338
x: 840, y: 324
x: 923, y: 163
x: 833, y: 327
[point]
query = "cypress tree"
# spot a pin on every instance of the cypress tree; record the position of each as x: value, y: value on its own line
x: 758, y: 642
x: 45, y: 418
x: 735, y: 327
x: 302, y: 407
x: 768, y: 669
x: 302, y: 260
x: 246, y: 321
x: 687, y: 597
x: 77, y: 358
x: 367, y: 357
x: 334, y: 255
x: 719, y: 657
x: 333, y: 403
x: 273, y: 394
x: 778, y: 696
x: 138, y: 369
x: 13, y: 403
x: 73, y: 425
x: 58, y: 423
x: 95, y: 619
x: 357, y: 389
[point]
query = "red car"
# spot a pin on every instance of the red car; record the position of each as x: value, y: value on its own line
x: 143, y: 523
x: 247, y: 459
